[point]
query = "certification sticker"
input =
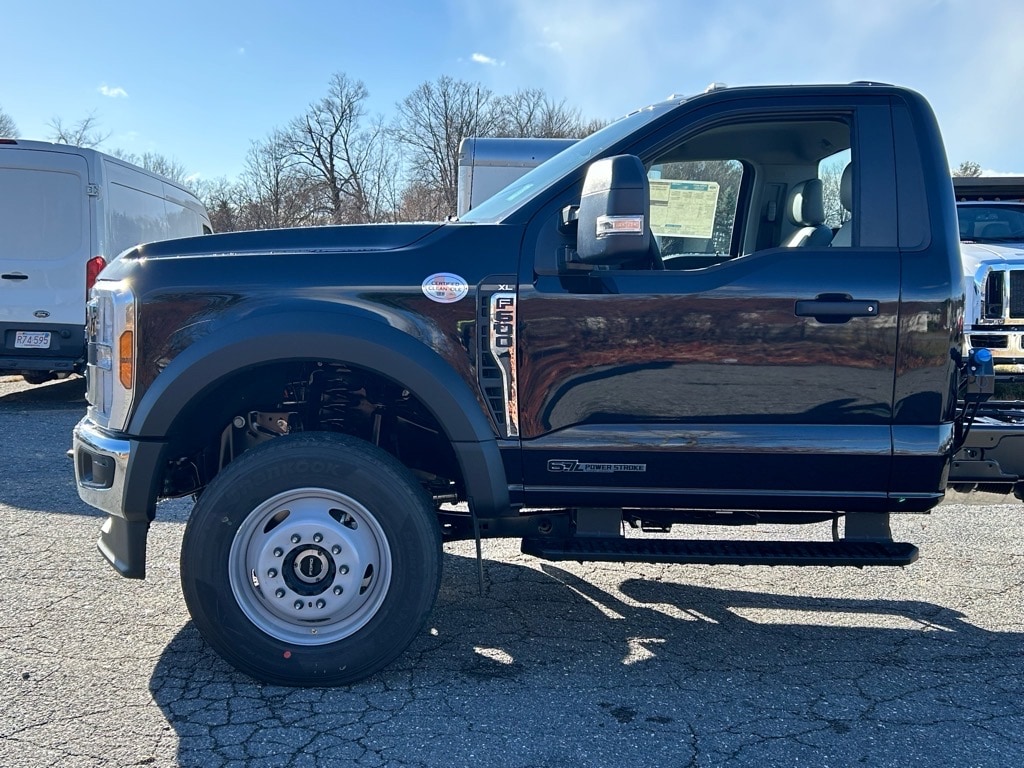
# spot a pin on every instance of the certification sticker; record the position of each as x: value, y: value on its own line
x: 445, y: 288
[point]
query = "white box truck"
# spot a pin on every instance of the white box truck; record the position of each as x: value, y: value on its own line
x: 488, y: 165
x: 65, y: 213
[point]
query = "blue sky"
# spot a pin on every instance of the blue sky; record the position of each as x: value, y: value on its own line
x: 198, y: 81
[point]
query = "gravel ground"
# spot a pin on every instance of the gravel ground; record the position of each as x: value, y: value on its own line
x: 551, y: 665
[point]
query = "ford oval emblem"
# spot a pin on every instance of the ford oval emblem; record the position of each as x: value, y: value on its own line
x: 41, y: 313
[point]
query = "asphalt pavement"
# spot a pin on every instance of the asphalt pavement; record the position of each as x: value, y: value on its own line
x: 552, y: 665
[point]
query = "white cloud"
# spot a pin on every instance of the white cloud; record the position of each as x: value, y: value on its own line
x: 480, y: 58
x: 550, y: 42
x: 607, y: 61
x: 113, y: 93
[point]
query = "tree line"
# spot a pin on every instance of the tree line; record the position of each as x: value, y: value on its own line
x: 337, y: 164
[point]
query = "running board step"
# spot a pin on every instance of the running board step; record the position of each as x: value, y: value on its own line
x: 723, y: 552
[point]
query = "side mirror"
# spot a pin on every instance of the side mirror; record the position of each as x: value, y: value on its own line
x: 615, y: 212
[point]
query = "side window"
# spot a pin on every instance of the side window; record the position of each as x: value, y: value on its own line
x: 693, y: 210
x: 743, y: 187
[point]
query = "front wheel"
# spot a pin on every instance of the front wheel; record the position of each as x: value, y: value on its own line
x: 312, y: 559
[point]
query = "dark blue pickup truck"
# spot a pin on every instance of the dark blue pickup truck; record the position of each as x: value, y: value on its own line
x: 656, y: 327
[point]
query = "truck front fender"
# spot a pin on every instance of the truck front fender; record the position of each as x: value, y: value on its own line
x: 357, y: 340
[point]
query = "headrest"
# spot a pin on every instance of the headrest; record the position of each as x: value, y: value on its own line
x: 995, y: 229
x: 806, y: 206
x: 846, y: 188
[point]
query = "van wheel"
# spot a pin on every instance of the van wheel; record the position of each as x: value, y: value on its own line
x: 312, y: 559
x: 38, y: 377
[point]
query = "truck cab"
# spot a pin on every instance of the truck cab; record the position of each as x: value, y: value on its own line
x: 745, y: 348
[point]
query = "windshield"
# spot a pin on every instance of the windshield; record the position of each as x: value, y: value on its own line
x: 544, y: 175
x: 991, y: 223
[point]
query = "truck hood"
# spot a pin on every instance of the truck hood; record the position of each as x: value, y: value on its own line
x: 976, y: 254
x: 355, y: 238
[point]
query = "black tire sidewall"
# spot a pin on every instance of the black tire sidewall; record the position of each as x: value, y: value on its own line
x: 352, y: 467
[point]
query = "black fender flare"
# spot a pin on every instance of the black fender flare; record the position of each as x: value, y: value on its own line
x: 356, y: 339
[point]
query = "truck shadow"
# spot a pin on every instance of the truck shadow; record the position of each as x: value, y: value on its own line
x: 66, y: 393
x: 651, y: 665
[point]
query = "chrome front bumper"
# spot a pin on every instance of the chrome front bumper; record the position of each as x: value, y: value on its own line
x: 101, y: 465
x: 101, y: 471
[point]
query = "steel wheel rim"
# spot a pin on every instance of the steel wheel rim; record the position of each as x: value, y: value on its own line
x: 310, y: 566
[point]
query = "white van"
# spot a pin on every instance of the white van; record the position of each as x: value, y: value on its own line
x: 65, y: 212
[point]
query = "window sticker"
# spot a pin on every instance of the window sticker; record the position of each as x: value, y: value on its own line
x: 683, y: 208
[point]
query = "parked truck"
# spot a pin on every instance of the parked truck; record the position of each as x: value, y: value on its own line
x: 65, y: 213
x: 650, y: 330
x: 990, y: 211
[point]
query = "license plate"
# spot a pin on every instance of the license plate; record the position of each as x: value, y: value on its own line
x: 32, y: 340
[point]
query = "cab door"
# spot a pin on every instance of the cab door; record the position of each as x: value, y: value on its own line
x: 755, y: 378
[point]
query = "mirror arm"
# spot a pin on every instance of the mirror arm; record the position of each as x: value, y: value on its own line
x: 570, y: 220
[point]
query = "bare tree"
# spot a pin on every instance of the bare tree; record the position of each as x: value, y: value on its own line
x: 593, y: 125
x: 421, y: 202
x: 967, y: 168
x: 8, y: 128
x: 157, y: 163
x: 331, y: 142
x: 431, y: 123
x: 334, y: 164
x: 530, y: 113
x: 376, y: 171
x: 84, y: 133
x: 220, y: 196
x: 275, y: 189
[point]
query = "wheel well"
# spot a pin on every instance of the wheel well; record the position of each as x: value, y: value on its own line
x: 263, y: 402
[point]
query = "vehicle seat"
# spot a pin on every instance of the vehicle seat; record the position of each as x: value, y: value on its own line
x: 806, y: 209
x: 844, y: 237
x: 995, y: 230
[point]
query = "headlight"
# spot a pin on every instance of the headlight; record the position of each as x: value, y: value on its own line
x: 112, y: 353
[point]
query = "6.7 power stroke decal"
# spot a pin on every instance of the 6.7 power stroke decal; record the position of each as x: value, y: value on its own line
x: 575, y: 465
